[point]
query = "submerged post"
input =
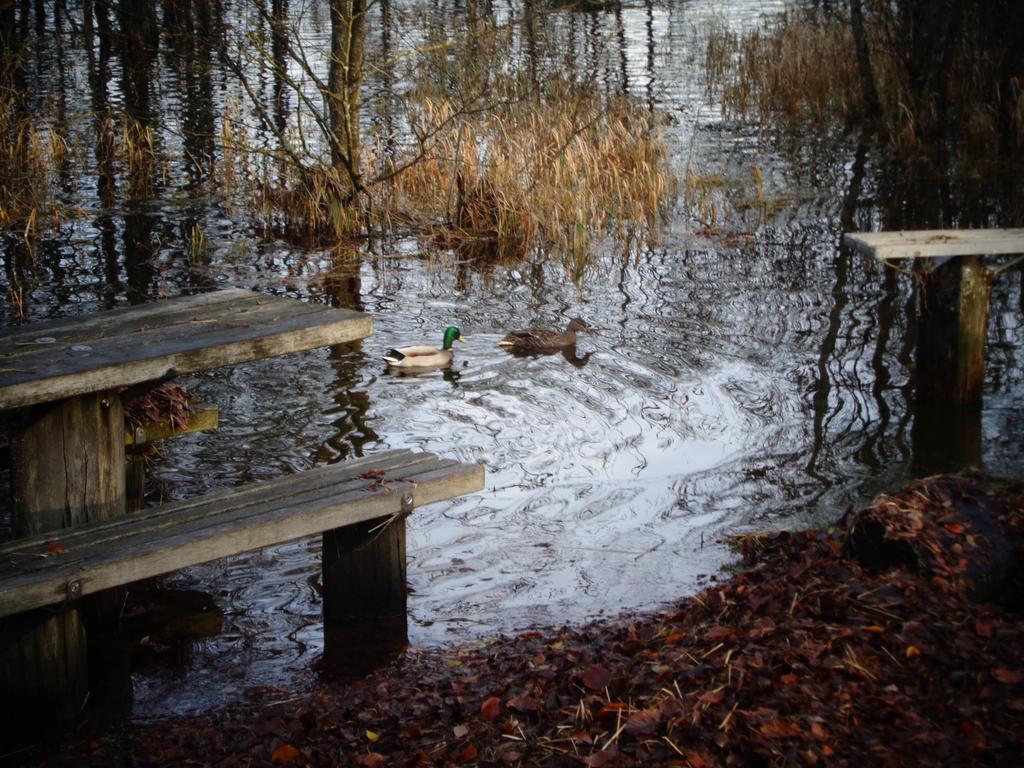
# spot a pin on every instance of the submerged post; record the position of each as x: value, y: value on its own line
x: 951, y: 332
x: 364, y: 591
x: 955, y: 292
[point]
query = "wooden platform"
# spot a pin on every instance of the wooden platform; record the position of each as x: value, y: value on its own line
x: 59, y: 359
x: 65, y: 564
x: 934, y: 243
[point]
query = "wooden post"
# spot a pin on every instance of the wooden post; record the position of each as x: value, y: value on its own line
x: 43, y: 671
x: 67, y: 468
x: 67, y: 464
x: 951, y: 332
x: 945, y: 438
x: 364, y: 573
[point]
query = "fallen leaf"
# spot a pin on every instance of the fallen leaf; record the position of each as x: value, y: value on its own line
x: 596, y: 677
x: 912, y: 651
x: 779, y: 729
x: 715, y: 634
x: 372, y: 760
x: 373, y: 736
x: 954, y: 528
x: 604, y: 757
x: 461, y: 731
x: 55, y: 549
x: 467, y: 753
x: 491, y: 708
x: 712, y: 697
x: 641, y: 724
x: 1008, y: 676
x: 524, y: 704
x: 284, y: 754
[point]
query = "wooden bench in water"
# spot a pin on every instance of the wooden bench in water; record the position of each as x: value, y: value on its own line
x: 71, y: 563
x: 936, y: 243
x: 954, y: 303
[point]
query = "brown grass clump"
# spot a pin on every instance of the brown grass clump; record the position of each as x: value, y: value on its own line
x: 140, y: 158
x: 796, y: 71
x: 549, y: 175
x: 552, y: 174
x: 30, y: 153
x: 486, y: 156
x: 803, y: 68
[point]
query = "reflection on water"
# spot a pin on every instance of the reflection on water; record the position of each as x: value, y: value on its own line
x: 760, y: 381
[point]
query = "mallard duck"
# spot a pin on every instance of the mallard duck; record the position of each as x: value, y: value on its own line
x: 540, y: 339
x: 424, y: 356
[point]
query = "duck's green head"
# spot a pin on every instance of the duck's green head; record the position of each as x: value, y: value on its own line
x: 451, y: 333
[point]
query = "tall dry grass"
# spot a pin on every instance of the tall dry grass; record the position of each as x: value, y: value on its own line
x: 552, y: 175
x: 31, y: 152
x: 802, y: 69
x: 492, y: 156
x: 34, y: 155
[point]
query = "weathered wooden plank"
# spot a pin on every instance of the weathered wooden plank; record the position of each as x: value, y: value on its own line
x: 137, y: 313
x: 199, y: 420
x: 139, y: 344
x: 932, y: 243
x: 319, y: 478
x: 180, y: 321
x: 33, y: 574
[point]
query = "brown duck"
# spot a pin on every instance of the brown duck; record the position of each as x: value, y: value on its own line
x: 544, y: 339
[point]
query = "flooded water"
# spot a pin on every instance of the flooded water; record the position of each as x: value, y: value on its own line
x: 749, y: 376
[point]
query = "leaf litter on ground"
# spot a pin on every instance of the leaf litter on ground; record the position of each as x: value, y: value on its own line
x: 818, y: 652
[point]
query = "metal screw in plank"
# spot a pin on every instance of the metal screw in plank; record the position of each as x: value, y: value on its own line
x: 407, y: 503
x: 74, y: 589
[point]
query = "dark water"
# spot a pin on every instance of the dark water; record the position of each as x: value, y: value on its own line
x: 754, y: 380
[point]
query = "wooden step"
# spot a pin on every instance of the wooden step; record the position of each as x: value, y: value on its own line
x: 63, y: 565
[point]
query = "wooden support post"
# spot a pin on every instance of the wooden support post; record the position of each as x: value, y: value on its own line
x: 364, y: 572
x: 946, y: 438
x: 67, y: 464
x: 43, y: 672
x: 951, y: 332
x: 67, y: 468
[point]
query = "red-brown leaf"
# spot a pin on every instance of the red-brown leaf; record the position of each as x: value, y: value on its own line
x: 596, y: 677
x: 641, y: 724
x: 491, y: 707
x: 372, y: 760
x: 604, y: 757
x: 1008, y: 676
x: 779, y: 729
x: 284, y: 754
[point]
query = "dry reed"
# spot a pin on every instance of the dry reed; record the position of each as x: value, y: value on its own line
x: 495, y: 163
x: 549, y: 176
x: 803, y: 69
x: 31, y: 151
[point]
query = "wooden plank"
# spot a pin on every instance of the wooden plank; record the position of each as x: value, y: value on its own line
x: 199, y: 420
x: 36, y: 572
x: 202, y: 419
x: 933, y: 243
x: 135, y: 344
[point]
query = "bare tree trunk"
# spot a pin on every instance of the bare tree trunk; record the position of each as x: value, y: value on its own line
x: 860, y: 44
x: 348, y: 31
